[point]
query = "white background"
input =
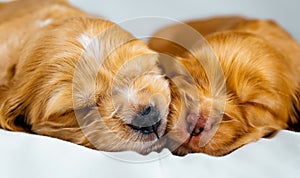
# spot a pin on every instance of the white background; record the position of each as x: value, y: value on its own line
x: 30, y: 156
x: 285, y: 12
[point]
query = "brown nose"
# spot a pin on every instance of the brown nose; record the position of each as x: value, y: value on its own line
x: 147, y: 121
x: 195, y: 124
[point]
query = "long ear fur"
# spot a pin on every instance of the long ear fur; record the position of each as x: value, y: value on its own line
x: 294, y: 124
x: 13, y: 113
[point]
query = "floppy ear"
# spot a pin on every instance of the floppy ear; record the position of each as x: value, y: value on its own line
x: 294, y: 124
x: 12, y: 113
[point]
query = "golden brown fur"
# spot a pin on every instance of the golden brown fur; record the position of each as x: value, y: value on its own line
x: 261, y: 65
x: 61, y: 68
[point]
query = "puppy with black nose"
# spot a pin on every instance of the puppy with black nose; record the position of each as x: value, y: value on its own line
x: 72, y: 76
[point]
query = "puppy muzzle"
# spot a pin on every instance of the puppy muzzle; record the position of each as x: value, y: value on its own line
x: 147, y: 121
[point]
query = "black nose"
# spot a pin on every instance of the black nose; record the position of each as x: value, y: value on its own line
x: 147, y: 121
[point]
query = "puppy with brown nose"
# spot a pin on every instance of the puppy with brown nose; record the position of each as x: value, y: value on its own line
x: 72, y: 76
x: 239, y: 83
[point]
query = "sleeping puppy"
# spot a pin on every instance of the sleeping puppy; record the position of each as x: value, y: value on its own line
x: 256, y: 93
x: 69, y: 75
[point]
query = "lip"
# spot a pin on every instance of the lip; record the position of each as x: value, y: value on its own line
x: 147, y: 130
x: 198, y: 141
x: 161, y: 131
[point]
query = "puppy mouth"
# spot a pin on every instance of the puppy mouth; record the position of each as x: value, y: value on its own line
x: 148, y: 129
x: 151, y: 136
x: 201, y: 136
x: 149, y: 123
x: 193, y: 133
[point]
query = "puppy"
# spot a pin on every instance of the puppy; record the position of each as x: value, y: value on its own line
x: 69, y: 75
x: 246, y: 81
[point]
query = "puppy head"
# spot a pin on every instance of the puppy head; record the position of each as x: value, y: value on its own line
x: 254, y: 100
x: 89, y: 82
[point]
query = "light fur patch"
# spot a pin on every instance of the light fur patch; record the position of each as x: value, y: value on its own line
x: 46, y: 22
x: 92, y: 48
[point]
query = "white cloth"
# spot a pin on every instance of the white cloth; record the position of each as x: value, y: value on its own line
x: 32, y: 156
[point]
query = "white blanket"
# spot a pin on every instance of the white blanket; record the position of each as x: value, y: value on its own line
x: 31, y: 156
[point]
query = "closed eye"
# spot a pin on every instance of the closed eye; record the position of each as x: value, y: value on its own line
x: 84, y: 110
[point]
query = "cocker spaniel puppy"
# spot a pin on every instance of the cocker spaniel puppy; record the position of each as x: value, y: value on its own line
x: 237, y: 84
x: 69, y: 75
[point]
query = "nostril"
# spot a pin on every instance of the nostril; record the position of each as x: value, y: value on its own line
x: 195, y: 124
x: 146, y: 111
x: 197, y: 131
